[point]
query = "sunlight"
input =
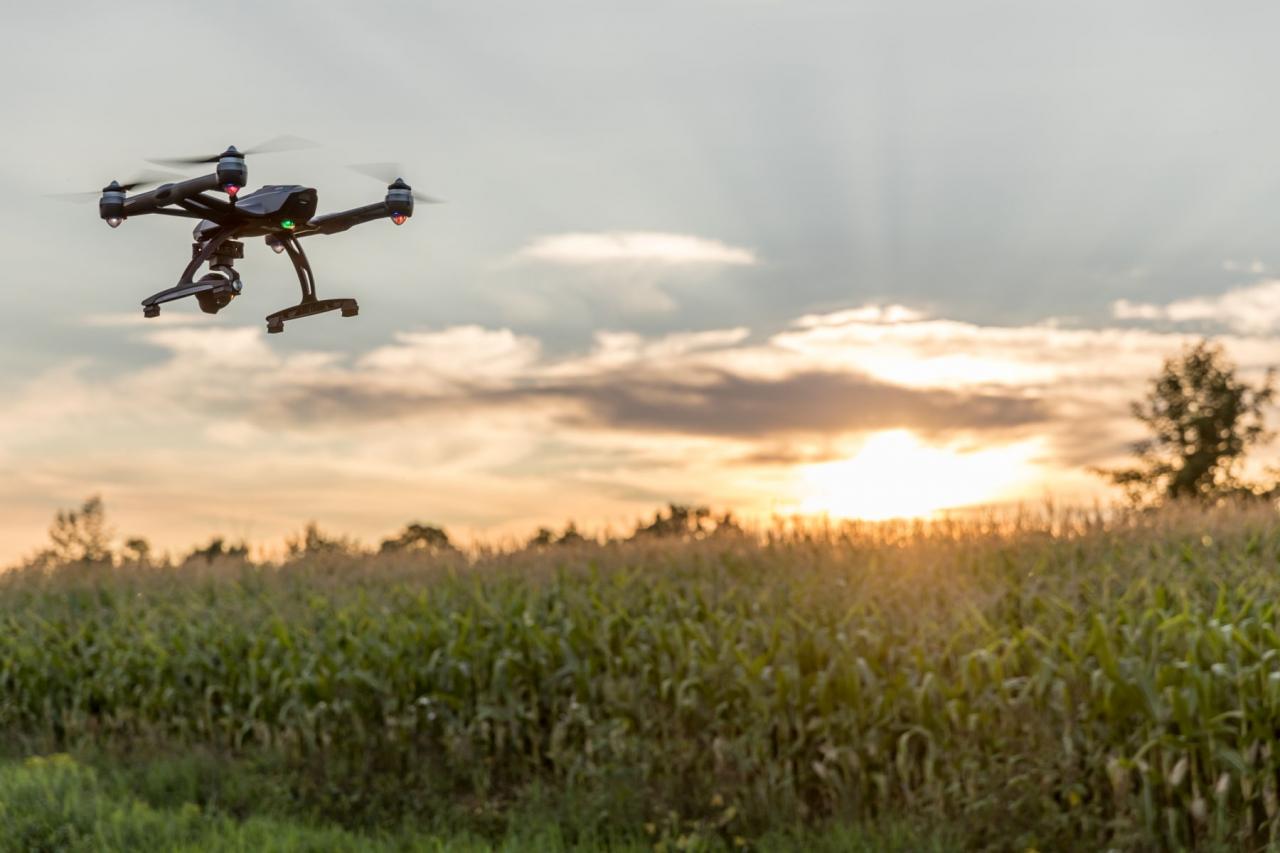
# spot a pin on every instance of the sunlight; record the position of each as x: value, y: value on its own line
x: 895, y: 475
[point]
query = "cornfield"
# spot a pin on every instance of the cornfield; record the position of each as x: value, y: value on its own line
x: 1038, y: 680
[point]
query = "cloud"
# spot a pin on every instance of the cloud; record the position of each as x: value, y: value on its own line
x: 876, y: 314
x: 459, y: 357
x: 1253, y: 309
x: 598, y: 278
x: 468, y: 425
x: 821, y: 403
x: 1255, y: 266
x: 229, y: 347
x: 635, y: 247
x: 1123, y: 309
x: 823, y: 377
x: 939, y: 353
x: 664, y: 386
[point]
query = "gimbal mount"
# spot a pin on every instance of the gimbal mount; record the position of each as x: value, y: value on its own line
x: 215, y: 290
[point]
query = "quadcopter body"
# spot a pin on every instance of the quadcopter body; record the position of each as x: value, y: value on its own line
x: 281, y: 214
x: 261, y: 212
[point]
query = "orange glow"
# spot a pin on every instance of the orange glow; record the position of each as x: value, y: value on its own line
x: 895, y: 475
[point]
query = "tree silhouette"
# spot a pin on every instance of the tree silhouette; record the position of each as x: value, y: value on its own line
x: 1202, y: 419
x: 546, y: 536
x: 80, y: 536
x: 682, y: 520
x: 217, y: 548
x: 314, y: 542
x: 418, y: 537
x: 136, y: 552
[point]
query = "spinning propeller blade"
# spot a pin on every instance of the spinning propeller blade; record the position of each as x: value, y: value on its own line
x: 271, y: 146
x: 387, y: 173
x: 147, y: 178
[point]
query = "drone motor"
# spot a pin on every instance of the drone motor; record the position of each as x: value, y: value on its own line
x: 399, y: 201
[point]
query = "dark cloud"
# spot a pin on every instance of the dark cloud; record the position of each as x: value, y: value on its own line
x: 1103, y: 440
x: 812, y: 402
x: 815, y: 403
x: 786, y: 454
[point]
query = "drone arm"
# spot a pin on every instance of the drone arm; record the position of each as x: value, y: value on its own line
x: 205, y: 205
x: 153, y: 200
x: 186, y: 214
x: 333, y: 223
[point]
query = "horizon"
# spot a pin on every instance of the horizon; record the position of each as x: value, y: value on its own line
x: 987, y: 518
x: 862, y: 259
x: 604, y: 532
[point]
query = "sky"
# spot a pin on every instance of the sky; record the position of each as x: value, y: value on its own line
x: 864, y: 259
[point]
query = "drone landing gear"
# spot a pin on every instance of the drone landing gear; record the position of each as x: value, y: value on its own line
x: 275, y: 322
x: 213, y: 292
x: 215, y: 289
x: 310, y: 304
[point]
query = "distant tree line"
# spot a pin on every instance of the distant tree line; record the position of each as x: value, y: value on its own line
x: 82, y: 536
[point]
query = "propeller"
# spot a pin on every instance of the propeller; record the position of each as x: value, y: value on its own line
x: 271, y: 146
x: 149, y: 177
x: 387, y: 173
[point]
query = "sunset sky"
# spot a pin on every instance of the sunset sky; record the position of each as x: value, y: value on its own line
x: 865, y: 259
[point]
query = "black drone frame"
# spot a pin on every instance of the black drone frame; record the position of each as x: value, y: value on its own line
x: 281, y: 214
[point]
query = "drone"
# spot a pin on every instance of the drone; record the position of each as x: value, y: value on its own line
x: 282, y: 214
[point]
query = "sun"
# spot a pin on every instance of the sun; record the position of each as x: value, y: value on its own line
x: 896, y: 475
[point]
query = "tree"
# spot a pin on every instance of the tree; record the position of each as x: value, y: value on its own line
x: 314, y: 542
x: 81, y: 536
x: 682, y: 520
x: 136, y: 552
x: 219, y: 548
x: 1202, y: 419
x: 76, y: 536
x: 546, y: 537
x: 571, y: 536
x: 418, y: 537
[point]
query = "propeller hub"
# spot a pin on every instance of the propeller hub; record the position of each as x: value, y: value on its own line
x: 111, y: 205
x: 233, y: 171
x: 399, y: 201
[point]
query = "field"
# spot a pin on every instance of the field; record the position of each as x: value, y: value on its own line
x: 1043, y: 681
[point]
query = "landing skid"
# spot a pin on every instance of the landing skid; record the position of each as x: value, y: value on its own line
x: 275, y: 322
x: 219, y: 287
x: 310, y: 304
x: 222, y: 284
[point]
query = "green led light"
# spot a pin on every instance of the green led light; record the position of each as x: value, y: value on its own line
x: 286, y: 223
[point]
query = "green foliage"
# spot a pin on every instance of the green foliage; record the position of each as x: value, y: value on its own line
x: 1066, y: 683
x: 56, y: 804
x: 53, y: 804
x: 1202, y: 419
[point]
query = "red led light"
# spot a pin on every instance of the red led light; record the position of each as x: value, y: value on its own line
x: 231, y: 189
x: 398, y: 218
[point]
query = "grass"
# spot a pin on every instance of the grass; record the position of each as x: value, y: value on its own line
x: 53, y: 803
x: 1021, y: 682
